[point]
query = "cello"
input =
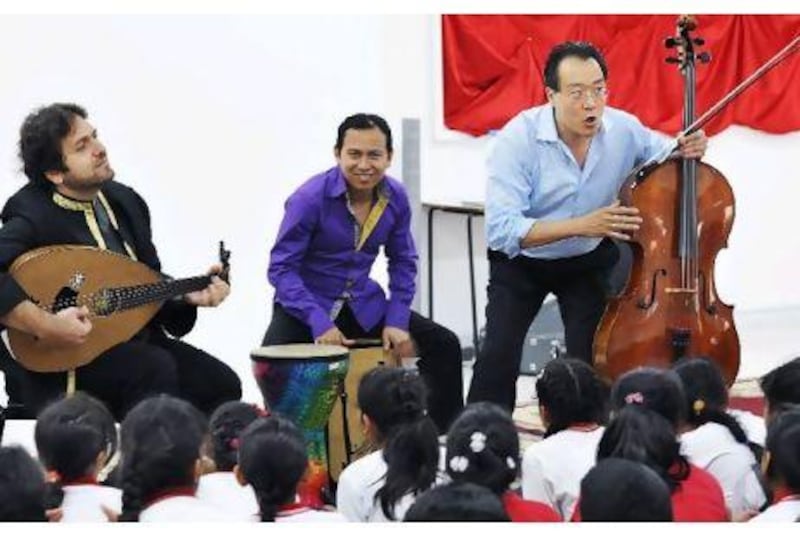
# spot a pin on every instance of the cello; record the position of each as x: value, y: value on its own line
x: 669, y: 307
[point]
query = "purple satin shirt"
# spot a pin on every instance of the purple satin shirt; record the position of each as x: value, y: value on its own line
x: 314, y: 260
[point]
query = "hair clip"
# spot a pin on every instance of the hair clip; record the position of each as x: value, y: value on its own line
x: 260, y: 411
x: 51, y: 476
x: 634, y: 397
x: 512, y: 464
x: 477, y: 442
x: 459, y: 463
x: 234, y: 443
x: 698, y: 406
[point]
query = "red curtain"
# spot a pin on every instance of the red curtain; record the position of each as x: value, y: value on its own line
x: 493, y: 67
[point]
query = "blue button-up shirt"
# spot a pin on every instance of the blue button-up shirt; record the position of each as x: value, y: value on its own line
x: 532, y: 175
x: 314, y: 261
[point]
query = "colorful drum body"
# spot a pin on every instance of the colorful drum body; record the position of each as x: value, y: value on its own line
x: 302, y: 383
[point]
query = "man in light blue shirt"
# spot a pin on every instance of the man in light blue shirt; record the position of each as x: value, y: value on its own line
x: 551, y: 208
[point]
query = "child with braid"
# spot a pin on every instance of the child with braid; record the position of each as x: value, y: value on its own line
x: 572, y: 404
x: 648, y: 409
x: 715, y: 440
x: 382, y: 486
x: 161, y: 440
x: 220, y: 487
x: 75, y: 440
x: 483, y: 448
x: 272, y: 460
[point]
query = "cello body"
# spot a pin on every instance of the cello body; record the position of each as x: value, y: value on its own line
x: 670, y: 308
x: 658, y: 317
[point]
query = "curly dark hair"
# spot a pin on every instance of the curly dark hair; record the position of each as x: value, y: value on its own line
x: 40, y: 140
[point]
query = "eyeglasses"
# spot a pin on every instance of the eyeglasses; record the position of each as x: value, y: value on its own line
x: 579, y: 94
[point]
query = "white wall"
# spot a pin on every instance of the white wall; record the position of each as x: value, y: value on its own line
x: 216, y: 119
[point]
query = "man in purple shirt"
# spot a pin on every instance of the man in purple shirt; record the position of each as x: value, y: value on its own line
x: 332, y: 230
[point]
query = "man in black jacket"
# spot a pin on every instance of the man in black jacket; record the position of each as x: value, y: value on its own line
x: 72, y: 199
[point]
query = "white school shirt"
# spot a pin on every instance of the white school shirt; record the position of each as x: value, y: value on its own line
x: 184, y: 509
x: 552, y: 469
x: 221, y: 489
x: 83, y: 503
x: 358, y: 484
x: 713, y: 448
x: 784, y: 511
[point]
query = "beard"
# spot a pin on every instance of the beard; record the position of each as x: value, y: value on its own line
x: 90, y: 182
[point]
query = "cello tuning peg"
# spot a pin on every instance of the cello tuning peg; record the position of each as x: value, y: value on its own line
x: 699, y: 41
x: 671, y: 42
x: 704, y: 57
x: 672, y: 60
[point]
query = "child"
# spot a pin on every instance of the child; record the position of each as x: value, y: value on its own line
x: 220, y: 488
x: 75, y: 439
x: 483, y: 448
x: 715, y: 441
x: 381, y: 486
x: 783, y: 467
x: 272, y: 460
x: 619, y: 490
x: 572, y: 404
x: 161, y: 440
x: 457, y: 502
x: 22, y: 487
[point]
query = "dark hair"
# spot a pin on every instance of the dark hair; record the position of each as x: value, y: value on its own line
x: 22, y: 487
x: 70, y: 434
x: 654, y: 388
x: 225, y: 425
x: 644, y: 436
x: 161, y: 439
x: 706, y: 395
x: 483, y: 447
x: 363, y: 121
x: 783, y: 443
x: 581, y: 49
x: 457, y: 502
x: 621, y: 490
x: 273, y: 459
x: 395, y: 400
x: 780, y: 386
x: 40, y: 140
x: 572, y: 393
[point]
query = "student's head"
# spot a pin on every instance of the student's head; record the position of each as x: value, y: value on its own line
x: 225, y: 425
x: 620, y: 490
x: 575, y: 85
x: 393, y: 403
x: 272, y: 459
x: 780, y: 387
x: 22, y: 487
x: 653, y: 388
x: 75, y: 438
x: 642, y: 435
x: 161, y: 439
x: 363, y: 150
x: 706, y: 395
x: 783, y: 450
x: 457, y: 502
x: 569, y: 393
x: 483, y: 447
x: 60, y: 149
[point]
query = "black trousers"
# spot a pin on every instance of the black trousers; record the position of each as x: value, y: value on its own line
x: 439, y: 352
x: 517, y: 289
x: 131, y: 371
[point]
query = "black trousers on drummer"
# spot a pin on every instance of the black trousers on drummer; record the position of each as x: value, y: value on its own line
x: 517, y: 289
x: 150, y: 363
x: 439, y: 352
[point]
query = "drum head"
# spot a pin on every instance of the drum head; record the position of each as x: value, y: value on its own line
x: 299, y: 351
